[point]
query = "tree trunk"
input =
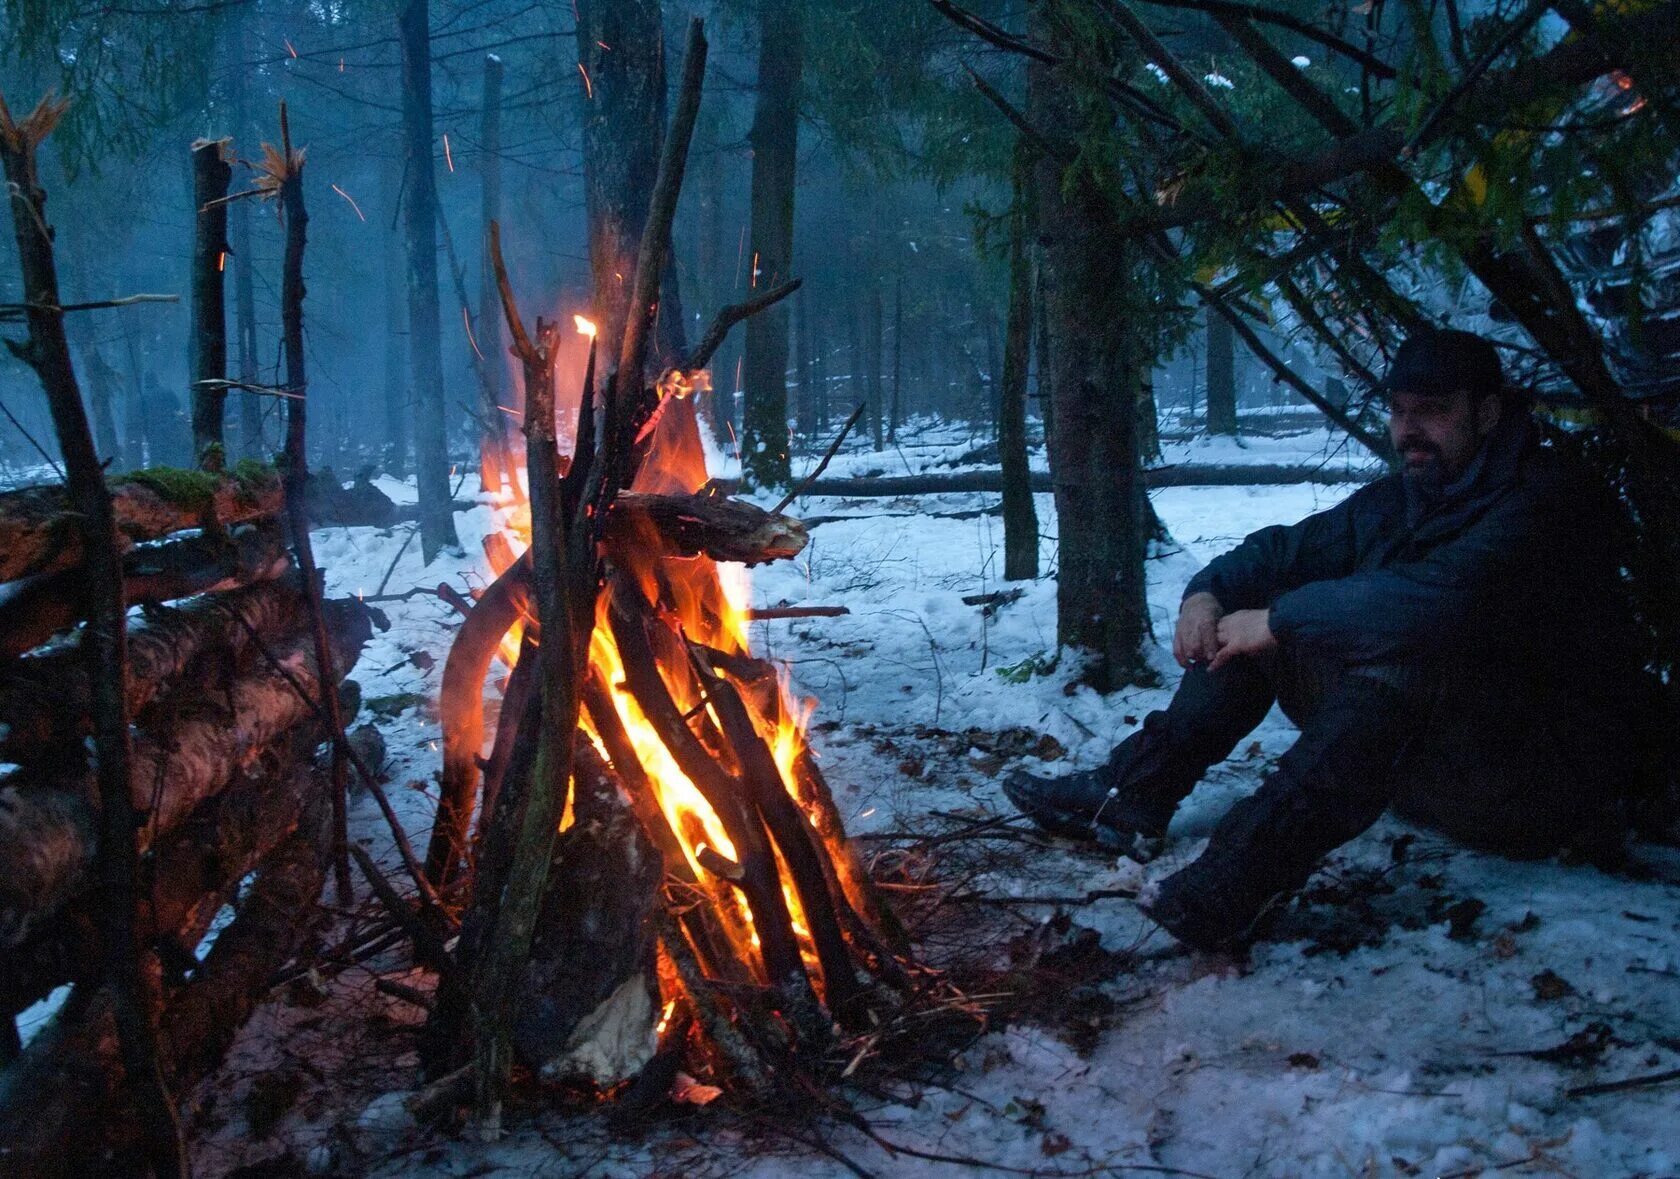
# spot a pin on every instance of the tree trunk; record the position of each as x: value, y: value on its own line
x: 134, y: 416
x: 47, y: 351
x: 1020, y: 517
x: 431, y: 445
x: 1041, y: 349
x: 805, y: 415
x: 397, y: 401
x: 621, y: 51
x: 239, y: 217
x: 775, y: 147
x: 1221, y: 375
x: 872, y: 357
x: 1148, y: 418
x: 1101, y: 339
x: 297, y: 484
x: 893, y: 418
x: 489, y: 320
x: 211, y: 177
x: 713, y: 285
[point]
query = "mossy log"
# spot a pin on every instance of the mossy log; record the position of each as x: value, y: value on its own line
x: 39, y: 531
x: 45, y: 701
x: 48, y: 823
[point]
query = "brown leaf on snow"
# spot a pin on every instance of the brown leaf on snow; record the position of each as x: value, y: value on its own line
x: 1549, y: 986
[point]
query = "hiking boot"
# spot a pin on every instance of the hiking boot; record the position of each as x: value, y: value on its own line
x: 1085, y: 806
x: 1209, y: 918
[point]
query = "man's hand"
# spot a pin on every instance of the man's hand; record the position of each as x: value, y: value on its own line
x: 1197, y: 638
x: 1243, y: 632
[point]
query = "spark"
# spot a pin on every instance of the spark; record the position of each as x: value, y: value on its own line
x: 466, y: 322
x: 585, y: 327
x: 341, y: 65
x: 351, y: 199
x: 867, y: 813
x: 447, y: 157
x: 289, y: 48
x: 588, y: 86
x: 604, y: 45
x: 221, y: 261
x: 755, y: 270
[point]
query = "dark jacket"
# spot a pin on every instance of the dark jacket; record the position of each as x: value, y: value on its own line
x: 1501, y: 598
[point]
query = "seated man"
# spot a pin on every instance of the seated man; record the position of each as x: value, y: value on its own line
x: 1450, y: 640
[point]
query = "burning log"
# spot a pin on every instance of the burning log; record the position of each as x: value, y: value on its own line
x: 194, y: 869
x: 45, y: 700
x: 68, y: 1079
x: 39, y: 531
x: 693, y: 525
x: 48, y: 826
x: 720, y: 528
x: 38, y: 609
x: 588, y: 998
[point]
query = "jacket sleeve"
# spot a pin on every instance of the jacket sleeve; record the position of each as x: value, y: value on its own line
x: 1462, y: 592
x: 1280, y: 558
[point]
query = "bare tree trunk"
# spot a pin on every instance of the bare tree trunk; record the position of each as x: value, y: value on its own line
x: 1148, y: 418
x: 775, y: 147
x: 1020, y: 518
x: 872, y: 357
x: 489, y: 320
x: 297, y: 483
x: 805, y: 415
x: 1100, y: 345
x: 621, y: 49
x: 1221, y: 375
x: 713, y: 278
x: 898, y: 355
x: 211, y: 177
x: 239, y: 217
x: 47, y: 351
x: 396, y: 399
x: 431, y: 445
x: 134, y: 414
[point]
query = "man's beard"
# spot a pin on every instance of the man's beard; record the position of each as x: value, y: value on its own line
x: 1426, y: 479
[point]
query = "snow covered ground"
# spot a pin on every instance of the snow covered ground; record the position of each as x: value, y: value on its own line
x: 1425, y: 1010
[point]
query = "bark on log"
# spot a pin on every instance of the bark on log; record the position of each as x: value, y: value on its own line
x: 61, y: 1113
x: 588, y: 998
x: 48, y: 826
x: 39, y: 533
x: 45, y: 700
x: 721, y: 528
x: 195, y: 868
x: 35, y: 611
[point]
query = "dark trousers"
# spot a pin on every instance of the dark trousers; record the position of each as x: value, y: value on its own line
x: 1420, y: 739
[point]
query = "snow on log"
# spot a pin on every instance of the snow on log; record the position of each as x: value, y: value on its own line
x: 39, y: 532
x: 48, y: 825
x: 45, y: 700
x: 62, y: 1110
x: 32, y: 612
x: 196, y: 868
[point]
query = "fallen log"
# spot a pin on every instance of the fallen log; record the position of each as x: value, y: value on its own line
x: 195, y: 868
x: 62, y: 1107
x: 47, y: 822
x: 1182, y: 475
x: 34, y: 611
x: 44, y: 700
x: 39, y: 531
x: 714, y: 525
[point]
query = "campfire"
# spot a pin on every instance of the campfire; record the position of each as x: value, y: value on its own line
x: 658, y: 878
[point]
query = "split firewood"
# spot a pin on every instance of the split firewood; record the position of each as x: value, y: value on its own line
x: 47, y: 822
x: 38, y: 609
x: 194, y: 869
x: 39, y: 532
x: 45, y: 700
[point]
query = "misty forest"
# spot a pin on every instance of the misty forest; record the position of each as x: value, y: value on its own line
x: 621, y: 588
